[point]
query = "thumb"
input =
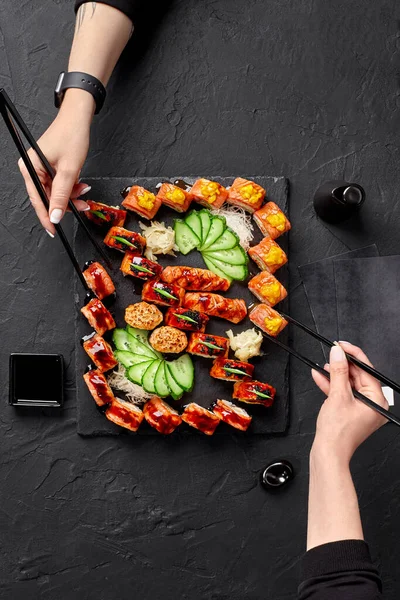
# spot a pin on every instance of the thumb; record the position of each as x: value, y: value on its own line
x: 61, y: 190
x: 339, y: 372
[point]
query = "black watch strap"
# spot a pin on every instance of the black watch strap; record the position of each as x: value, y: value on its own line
x: 82, y: 81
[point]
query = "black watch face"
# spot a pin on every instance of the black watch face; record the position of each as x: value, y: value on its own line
x: 59, y: 83
x: 58, y: 94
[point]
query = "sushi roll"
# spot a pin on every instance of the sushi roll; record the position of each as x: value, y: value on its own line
x: 267, y: 288
x: 231, y: 370
x: 267, y: 319
x: 186, y: 319
x: 102, y: 214
x: 200, y: 418
x: 254, y: 392
x: 208, y: 346
x: 99, y: 351
x: 209, y: 193
x: 143, y: 316
x: 165, y: 294
x: 271, y: 220
x: 140, y: 267
x: 175, y: 197
x: 142, y: 202
x: 268, y: 255
x: 98, y: 280
x: 98, y: 387
x: 192, y: 278
x: 246, y: 194
x: 161, y: 416
x: 168, y: 339
x: 121, y: 239
x: 231, y: 414
x: 215, y: 305
x: 98, y: 316
x: 125, y: 414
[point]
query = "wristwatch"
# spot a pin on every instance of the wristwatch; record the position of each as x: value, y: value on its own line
x: 82, y: 81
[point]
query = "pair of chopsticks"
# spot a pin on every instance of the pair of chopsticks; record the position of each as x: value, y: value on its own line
x: 313, y: 365
x: 9, y: 112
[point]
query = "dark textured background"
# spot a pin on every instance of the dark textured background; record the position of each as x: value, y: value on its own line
x: 304, y: 89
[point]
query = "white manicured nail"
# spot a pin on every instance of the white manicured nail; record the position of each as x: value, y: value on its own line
x: 85, y: 209
x: 50, y: 234
x: 56, y: 216
x: 86, y: 190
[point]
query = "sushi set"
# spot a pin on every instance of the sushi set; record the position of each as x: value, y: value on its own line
x: 181, y: 332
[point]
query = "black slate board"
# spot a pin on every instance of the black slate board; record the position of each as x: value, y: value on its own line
x: 273, y: 367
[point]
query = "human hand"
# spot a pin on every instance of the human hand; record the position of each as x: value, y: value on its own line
x: 344, y: 422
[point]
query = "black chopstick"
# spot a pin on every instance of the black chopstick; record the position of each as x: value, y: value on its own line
x: 51, y: 172
x: 35, y: 178
x: 313, y: 365
x: 359, y: 363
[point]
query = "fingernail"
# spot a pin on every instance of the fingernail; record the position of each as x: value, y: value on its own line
x: 56, y: 216
x: 337, y: 354
x: 343, y: 342
x: 85, y: 209
x: 50, y: 234
x: 326, y: 365
x: 85, y: 190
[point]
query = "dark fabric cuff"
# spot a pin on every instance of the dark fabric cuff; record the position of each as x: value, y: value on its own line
x: 346, y: 555
x: 129, y: 7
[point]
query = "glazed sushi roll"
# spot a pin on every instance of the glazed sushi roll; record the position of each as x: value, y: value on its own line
x: 208, y: 346
x: 104, y: 215
x: 192, y: 278
x: 267, y: 319
x: 161, y: 416
x: 215, y: 305
x: 142, y: 202
x: 165, y: 294
x: 200, y: 418
x: 254, y: 392
x: 98, y: 316
x: 125, y: 414
x: 175, y: 197
x: 121, y: 239
x: 267, y: 288
x: 98, y: 280
x: 246, y: 194
x: 99, y: 351
x: 209, y: 193
x: 140, y: 267
x: 231, y: 414
x: 271, y: 220
x: 268, y: 255
x: 98, y: 387
x: 186, y: 319
x: 231, y: 370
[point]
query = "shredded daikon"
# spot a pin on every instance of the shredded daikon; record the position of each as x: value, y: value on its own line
x: 238, y: 220
x: 134, y: 393
x: 246, y: 344
x: 159, y: 239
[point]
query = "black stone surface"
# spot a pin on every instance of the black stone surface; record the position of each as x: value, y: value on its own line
x: 308, y: 90
x: 272, y: 367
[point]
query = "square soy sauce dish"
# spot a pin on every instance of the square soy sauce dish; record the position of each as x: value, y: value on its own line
x: 36, y: 380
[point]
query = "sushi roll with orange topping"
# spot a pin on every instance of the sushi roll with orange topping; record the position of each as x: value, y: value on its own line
x: 125, y: 414
x: 209, y: 193
x: 98, y: 387
x: 121, y: 239
x: 254, y: 392
x: 186, y: 319
x: 271, y: 220
x: 231, y: 370
x: 268, y: 255
x: 246, y: 194
x: 98, y: 280
x: 175, y: 197
x: 161, y: 415
x: 267, y: 288
x: 140, y: 267
x: 231, y: 414
x: 142, y: 202
x: 267, y: 319
x: 102, y: 214
x: 208, y: 346
x: 200, y: 418
x: 99, y: 351
x: 98, y: 316
x: 165, y: 294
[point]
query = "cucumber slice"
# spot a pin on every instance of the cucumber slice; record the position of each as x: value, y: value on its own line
x: 182, y: 371
x: 136, y: 372
x: 124, y: 341
x: 175, y: 389
x: 142, y: 341
x: 185, y: 237
x: 228, y: 239
x: 194, y: 222
x: 128, y: 359
x: 148, y: 379
x: 160, y: 382
x: 233, y: 256
x: 218, y: 225
x: 205, y: 218
x: 238, y: 272
x: 215, y: 269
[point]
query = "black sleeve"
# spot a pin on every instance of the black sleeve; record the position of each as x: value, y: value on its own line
x: 129, y: 7
x: 339, y: 571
